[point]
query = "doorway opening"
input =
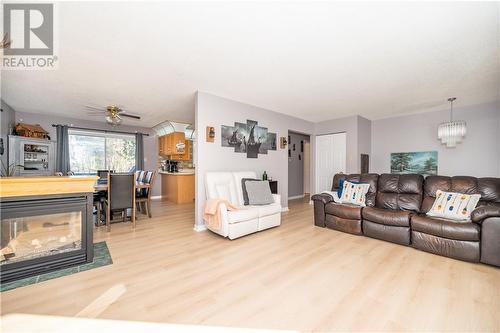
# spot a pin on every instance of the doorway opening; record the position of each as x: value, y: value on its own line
x: 299, y: 166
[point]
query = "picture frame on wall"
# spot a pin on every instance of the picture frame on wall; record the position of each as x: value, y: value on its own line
x: 248, y: 138
x: 421, y: 162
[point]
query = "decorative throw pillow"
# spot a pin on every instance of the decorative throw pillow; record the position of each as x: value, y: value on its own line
x: 335, y: 195
x: 454, y: 206
x: 354, y: 193
x: 259, y: 193
x: 339, y: 189
x: 244, y: 188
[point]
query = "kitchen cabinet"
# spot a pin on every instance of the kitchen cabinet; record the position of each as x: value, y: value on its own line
x: 170, y: 146
x: 177, y: 187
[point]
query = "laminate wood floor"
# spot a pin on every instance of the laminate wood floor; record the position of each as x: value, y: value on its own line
x: 296, y: 277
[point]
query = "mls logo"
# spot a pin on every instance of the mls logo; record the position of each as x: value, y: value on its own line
x: 30, y: 28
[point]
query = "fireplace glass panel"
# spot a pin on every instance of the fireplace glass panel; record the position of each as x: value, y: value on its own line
x: 30, y: 237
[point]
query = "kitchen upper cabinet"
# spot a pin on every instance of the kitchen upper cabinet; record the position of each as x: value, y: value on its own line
x: 175, y: 146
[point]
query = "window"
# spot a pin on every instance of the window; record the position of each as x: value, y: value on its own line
x: 90, y: 151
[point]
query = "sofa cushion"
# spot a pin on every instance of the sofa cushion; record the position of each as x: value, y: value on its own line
x: 400, y: 192
x: 488, y: 187
x: 345, y: 211
x: 391, y: 217
x: 445, y: 228
x: 266, y: 210
x: 221, y: 185
x: 242, y: 214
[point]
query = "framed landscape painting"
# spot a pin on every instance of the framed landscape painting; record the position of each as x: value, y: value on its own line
x: 422, y: 162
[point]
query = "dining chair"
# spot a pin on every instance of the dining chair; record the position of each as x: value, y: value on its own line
x: 144, y: 194
x: 121, y: 196
x: 103, y: 174
x: 98, y: 201
x: 70, y: 173
x: 142, y: 173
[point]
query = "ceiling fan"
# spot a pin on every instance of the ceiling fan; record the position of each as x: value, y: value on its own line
x: 112, y: 113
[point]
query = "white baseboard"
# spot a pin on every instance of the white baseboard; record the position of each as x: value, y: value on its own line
x: 284, y: 209
x: 199, y: 228
x: 296, y: 197
x: 155, y: 197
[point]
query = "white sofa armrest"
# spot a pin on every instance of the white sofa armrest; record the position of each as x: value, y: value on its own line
x: 277, y: 198
x: 224, y: 221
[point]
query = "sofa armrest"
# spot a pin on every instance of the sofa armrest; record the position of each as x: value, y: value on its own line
x: 483, y: 212
x: 223, y: 219
x: 277, y: 198
x: 322, y: 197
x: 320, y: 201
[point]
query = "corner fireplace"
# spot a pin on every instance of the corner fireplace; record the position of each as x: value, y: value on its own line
x: 46, y: 233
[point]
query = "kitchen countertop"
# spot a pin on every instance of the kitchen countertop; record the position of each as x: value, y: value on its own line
x: 180, y: 173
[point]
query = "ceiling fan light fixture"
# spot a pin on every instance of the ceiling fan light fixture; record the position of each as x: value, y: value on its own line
x: 452, y: 132
x: 113, y: 120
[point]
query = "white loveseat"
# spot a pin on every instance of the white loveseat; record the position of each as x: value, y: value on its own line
x: 247, y: 219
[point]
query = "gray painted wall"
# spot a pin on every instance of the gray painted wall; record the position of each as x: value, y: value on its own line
x: 216, y: 111
x: 150, y: 142
x: 296, y: 165
x: 7, y: 120
x: 478, y: 155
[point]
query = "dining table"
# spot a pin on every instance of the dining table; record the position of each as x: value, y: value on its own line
x: 103, y: 186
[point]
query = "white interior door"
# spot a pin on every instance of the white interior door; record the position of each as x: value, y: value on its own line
x: 330, y: 159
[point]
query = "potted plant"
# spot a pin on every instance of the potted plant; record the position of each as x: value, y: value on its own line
x: 10, y: 169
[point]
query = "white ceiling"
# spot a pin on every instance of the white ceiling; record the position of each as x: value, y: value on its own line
x: 316, y: 61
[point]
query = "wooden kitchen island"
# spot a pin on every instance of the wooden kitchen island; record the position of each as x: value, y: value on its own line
x: 177, y: 187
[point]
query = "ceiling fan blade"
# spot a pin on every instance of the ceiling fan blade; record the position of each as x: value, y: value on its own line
x: 95, y: 108
x: 129, y: 115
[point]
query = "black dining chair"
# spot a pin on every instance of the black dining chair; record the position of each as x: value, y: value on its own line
x: 103, y: 174
x: 98, y: 202
x: 143, y: 196
x: 121, y: 196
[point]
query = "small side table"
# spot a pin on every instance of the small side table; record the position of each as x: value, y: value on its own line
x: 273, y: 184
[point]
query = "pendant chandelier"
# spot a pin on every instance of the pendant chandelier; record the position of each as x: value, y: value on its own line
x: 452, y: 132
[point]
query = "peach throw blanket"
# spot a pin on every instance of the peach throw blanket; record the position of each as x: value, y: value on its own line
x: 211, y: 213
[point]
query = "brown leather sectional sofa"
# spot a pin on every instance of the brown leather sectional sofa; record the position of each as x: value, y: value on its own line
x: 395, y: 212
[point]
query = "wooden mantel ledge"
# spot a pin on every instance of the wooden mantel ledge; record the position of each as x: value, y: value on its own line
x: 26, y: 186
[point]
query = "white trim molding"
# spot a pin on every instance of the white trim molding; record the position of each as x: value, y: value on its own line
x: 199, y: 228
x: 155, y: 197
x: 296, y: 197
x: 284, y: 209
